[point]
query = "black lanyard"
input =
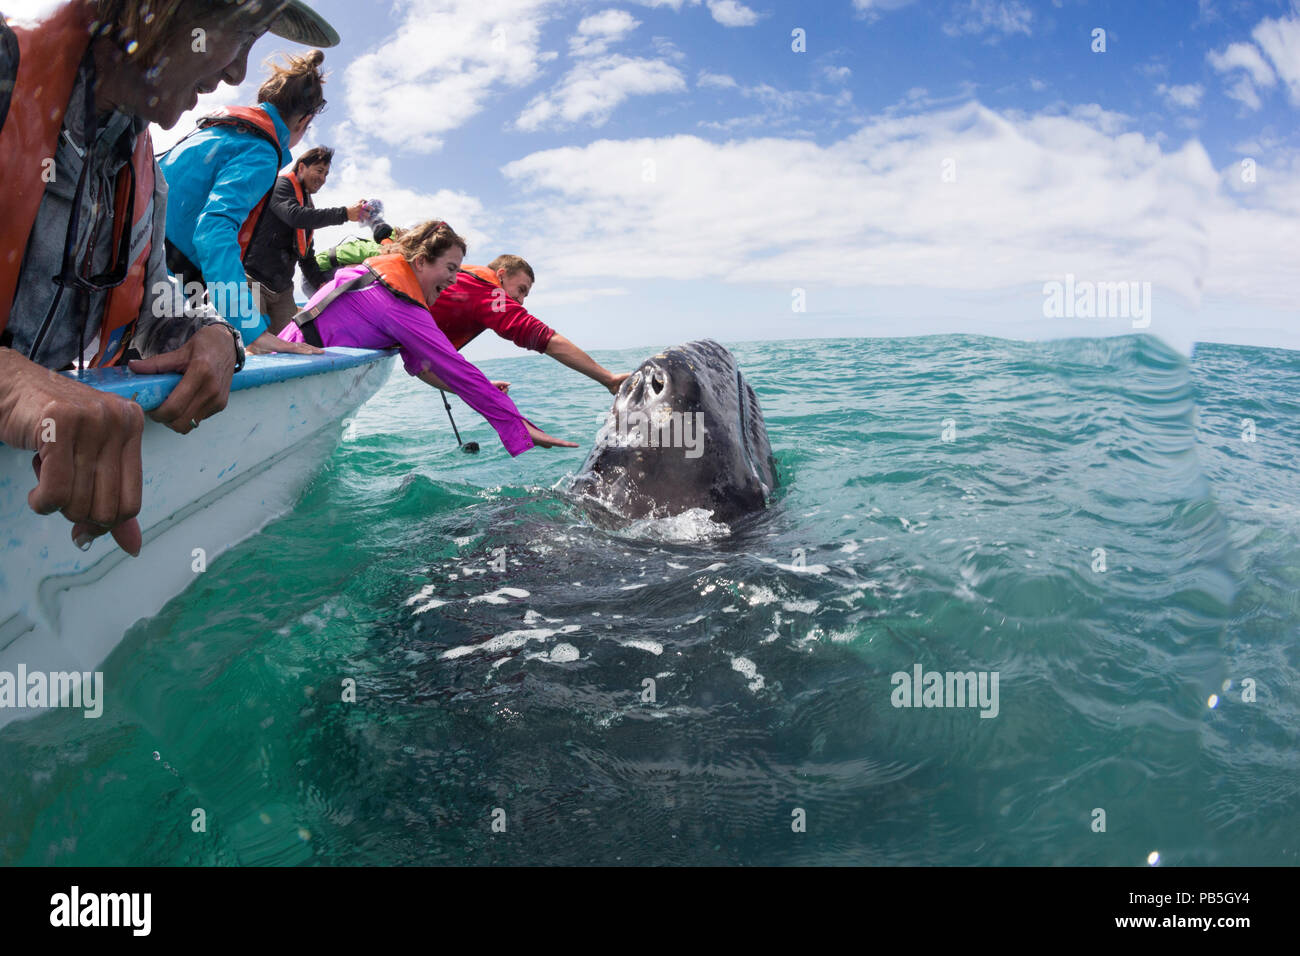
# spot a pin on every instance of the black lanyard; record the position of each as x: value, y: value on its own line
x: 76, y: 274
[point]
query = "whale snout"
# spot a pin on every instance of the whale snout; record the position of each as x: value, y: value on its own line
x: 646, y: 386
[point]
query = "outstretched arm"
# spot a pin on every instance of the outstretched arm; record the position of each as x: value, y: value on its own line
x: 284, y: 204
x: 566, y: 353
x: 512, y: 321
x: 428, y: 354
x: 539, y: 437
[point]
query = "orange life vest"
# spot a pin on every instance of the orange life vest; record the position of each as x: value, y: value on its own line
x: 398, y: 277
x: 392, y: 271
x: 484, y: 273
x: 50, y: 54
x: 258, y: 122
x: 462, y: 339
x: 303, y: 236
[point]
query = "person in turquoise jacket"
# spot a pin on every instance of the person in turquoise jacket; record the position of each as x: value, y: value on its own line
x: 217, y: 179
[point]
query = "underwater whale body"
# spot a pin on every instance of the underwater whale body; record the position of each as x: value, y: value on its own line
x: 685, y: 431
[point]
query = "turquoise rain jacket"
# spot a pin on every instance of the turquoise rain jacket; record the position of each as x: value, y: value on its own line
x: 215, y: 177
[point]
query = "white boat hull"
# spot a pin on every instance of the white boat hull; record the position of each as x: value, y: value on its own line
x: 62, y: 609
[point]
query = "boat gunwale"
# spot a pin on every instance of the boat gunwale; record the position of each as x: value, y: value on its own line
x: 150, y: 391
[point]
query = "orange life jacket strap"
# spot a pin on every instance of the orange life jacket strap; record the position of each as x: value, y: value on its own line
x: 245, y: 117
x: 122, y: 305
x: 48, y: 57
x: 303, y: 235
x: 398, y: 277
x: 484, y: 273
x: 392, y: 271
x: 258, y: 122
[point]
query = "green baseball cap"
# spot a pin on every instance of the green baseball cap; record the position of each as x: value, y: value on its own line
x: 301, y: 24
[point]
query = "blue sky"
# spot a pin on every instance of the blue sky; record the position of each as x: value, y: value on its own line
x: 674, y: 168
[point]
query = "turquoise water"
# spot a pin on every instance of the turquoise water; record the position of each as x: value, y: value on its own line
x: 771, y: 649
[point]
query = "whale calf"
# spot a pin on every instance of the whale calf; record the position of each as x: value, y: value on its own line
x: 685, y: 431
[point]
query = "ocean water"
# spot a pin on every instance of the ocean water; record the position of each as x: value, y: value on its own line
x: 1088, y: 520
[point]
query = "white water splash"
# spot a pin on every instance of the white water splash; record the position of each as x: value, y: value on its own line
x: 499, y: 597
x: 644, y: 644
x: 749, y: 670
x: 507, y: 641
x: 691, y: 526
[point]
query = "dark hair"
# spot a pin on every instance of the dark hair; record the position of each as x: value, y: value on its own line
x: 295, y: 89
x: 511, y: 264
x: 428, y: 240
x: 317, y: 154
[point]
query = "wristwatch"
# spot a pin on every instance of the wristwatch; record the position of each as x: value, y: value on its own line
x: 239, y: 345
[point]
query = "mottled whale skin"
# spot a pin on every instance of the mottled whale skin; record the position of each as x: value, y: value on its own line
x: 695, y: 401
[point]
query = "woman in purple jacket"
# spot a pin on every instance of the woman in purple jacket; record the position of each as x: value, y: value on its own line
x: 385, y: 304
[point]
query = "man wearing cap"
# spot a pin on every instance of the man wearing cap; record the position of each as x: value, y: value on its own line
x: 87, y: 79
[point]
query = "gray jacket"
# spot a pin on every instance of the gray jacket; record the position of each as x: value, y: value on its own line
x: 44, y: 322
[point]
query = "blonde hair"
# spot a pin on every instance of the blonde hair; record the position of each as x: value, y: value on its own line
x: 294, y: 88
x: 428, y: 240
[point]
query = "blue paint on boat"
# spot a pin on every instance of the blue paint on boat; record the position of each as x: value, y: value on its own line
x: 150, y: 391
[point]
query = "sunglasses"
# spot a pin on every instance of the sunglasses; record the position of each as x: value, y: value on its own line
x: 78, y: 275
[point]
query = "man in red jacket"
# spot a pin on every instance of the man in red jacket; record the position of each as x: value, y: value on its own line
x: 491, y: 297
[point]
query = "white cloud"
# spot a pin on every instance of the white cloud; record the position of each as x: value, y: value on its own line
x: 837, y: 74
x: 989, y: 16
x: 1187, y: 96
x: 667, y: 49
x: 593, y: 89
x: 1254, y: 235
x: 610, y: 22
x: 874, y: 7
x: 1280, y: 39
x: 356, y: 175
x: 780, y: 108
x: 731, y: 13
x: 1243, y: 56
x: 596, y: 32
x: 1243, y: 91
x: 1035, y: 197
x: 442, y: 64
x: 1256, y: 73
x: 716, y: 81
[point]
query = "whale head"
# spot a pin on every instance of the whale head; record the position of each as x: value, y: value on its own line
x: 685, y: 431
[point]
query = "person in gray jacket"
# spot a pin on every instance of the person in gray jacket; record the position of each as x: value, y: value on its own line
x: 283, y: 236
